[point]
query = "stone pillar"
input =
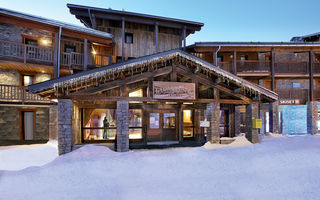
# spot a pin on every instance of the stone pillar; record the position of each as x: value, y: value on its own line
x: 213, y: 116
x: 65, y: 133
x: 122, y: 126
x: 53, y: 122
x: 312, y: 117
x: 274, y: 117
x: 237, y: 119
x: 252, y: 111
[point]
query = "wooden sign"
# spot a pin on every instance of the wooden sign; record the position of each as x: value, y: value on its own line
x: 289, y: 101
x: 173, y: 90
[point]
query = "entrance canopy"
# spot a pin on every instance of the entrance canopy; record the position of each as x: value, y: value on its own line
x: 109, y: 83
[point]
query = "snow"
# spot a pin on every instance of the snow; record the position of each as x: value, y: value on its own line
x: 238, y: 142
x: 23, y: 156
x: 278, y: 168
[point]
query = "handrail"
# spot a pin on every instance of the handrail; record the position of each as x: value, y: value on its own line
x: 15, y: 93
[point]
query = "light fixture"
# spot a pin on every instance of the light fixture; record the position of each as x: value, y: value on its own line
x: 93, y: 51
x: 45, y: 42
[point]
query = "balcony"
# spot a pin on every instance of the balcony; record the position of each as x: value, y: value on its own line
x: 255, y: 66
x: 45, y: 55
x: 227, y: 66
x: 18, y: 94
x: 291, y: 67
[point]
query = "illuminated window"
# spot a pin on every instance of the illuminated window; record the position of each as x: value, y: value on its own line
x: 187, y: 123
x: 129, y: 38
x: 99, y: 124
x: 27, y: 80
x: 169, y: 120
x: 135, y: 124
x: 136, y: 93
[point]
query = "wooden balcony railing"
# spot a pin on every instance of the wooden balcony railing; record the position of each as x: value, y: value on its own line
x: 291, y: 67
x: 256, y: 66
x: 316, y: 67
x: 14, y: 93
x: 30, y: 53
x: 225, y: 66
x: 24, y: 52
x: 302, y: 94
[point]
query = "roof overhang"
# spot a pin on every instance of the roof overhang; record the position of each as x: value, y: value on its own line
x: 103, y: 72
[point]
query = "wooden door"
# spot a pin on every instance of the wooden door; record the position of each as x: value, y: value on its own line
x: 162, y: 126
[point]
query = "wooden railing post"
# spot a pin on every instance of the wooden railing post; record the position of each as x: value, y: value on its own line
x: 23, y: 94
x: 85, y: 55
x: 25, y: 54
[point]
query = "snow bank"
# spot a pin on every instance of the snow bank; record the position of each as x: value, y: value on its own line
x: 22, y: 156
x: 278, y: 168
x: 238, y: 142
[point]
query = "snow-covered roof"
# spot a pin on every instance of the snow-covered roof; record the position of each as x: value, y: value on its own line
x: 54, y: 23
x: 147, y: 60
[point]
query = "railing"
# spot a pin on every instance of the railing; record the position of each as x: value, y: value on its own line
x: 291, y: 67
x: 225, y: 66
x: 72, y: 58
x: 26, y: 52
x: 316, y: 93
x: 14, y: 93
x: 301, y: 94
x: 256, y: 66
x: 316, y: 67
x: 30, y: 53
x: 99, y: 59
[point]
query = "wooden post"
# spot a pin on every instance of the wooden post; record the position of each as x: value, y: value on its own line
x: 184, y: 37
x: 214, y: 57
x: 234, y: 66
x: 156, y: 36
x: 310, y: 76
x: 55, y: 54
x: 25, y: 53
x: 174, y: 74
x: 150, y: 87
x: 272, y: 70
x: 180, y: 130
x: 122, y: 41
x: 85, y: 56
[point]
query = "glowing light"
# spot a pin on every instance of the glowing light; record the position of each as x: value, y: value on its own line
x: 45, y: 42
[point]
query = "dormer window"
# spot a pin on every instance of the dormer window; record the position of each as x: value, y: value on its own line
x: 129, y: 38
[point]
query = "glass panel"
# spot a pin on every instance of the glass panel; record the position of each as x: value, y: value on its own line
x: 135, y: 133
x: 27, y: 80
x: 154, y: 120
x: 187, y: 123
x: 100, y: 134
x: 169, y: 120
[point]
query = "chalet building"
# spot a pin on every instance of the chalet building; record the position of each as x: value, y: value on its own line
x: 129, y: 79
x: 136, y: 34
x: 291, y: 69
x: 167, y: 98
x: 35, y: 49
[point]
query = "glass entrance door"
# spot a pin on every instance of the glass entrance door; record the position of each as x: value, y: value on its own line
x: 162, y: 126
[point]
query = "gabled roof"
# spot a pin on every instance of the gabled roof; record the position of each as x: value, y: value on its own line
x: 81, y: 11
x: 54, y: 23
x: 147, y: 60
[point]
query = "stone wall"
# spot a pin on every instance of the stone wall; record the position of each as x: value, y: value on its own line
x: 53, y: 122
x: 122, y: 126
x: 213, y: 116
x: 9, y: 122
x: 252, y: 111
x: 312, y: 117
x: 9, y: 77
x: 42, y: 77
x: 65, y: 133
x: 13, y: 33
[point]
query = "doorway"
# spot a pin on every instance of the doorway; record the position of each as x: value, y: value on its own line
x: 27, y: 125
x: 224, y: 123
x: 162, y: 126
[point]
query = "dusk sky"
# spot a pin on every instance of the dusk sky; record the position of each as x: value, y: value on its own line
x: 232, y: 20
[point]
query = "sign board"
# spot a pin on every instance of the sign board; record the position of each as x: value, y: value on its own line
x: 256, y: 123
x: 289, y: 101
x: 173, y: 90
x: 204, y: 124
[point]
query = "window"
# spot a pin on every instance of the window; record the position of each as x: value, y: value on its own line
x: 187, y: 123
x: 119, y: 59
x: 30, y: 41
x: 128, y: 38
x: 169, y: 120
x: 135, y: 124
x: 69, y: 48
x: 220, y: 59
x: 27, y: 80
x: 243, y: 57
x: 99, y: 124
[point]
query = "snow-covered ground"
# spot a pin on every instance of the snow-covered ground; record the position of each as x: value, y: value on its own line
x: 278, y: 168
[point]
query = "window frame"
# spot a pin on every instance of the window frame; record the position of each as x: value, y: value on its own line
x: 128, y: 35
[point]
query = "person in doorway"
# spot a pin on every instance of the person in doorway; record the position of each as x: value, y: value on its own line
x: 105, y: 125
